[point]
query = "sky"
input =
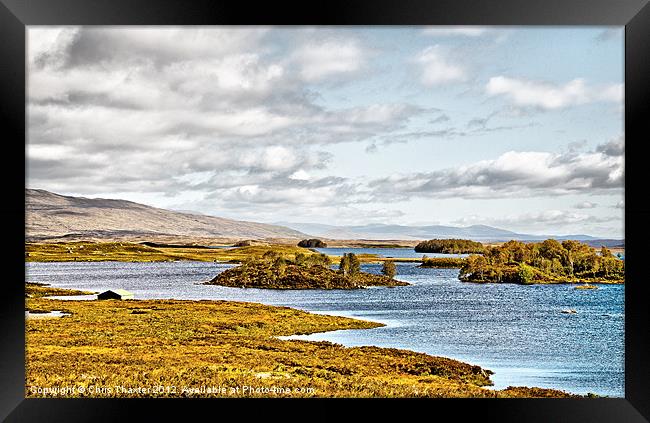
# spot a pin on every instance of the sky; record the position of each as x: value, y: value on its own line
x: 515, y: 127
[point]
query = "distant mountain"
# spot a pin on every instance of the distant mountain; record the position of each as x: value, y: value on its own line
x: 399, y: 232
x: 50, y: 215
x: 53, y: 216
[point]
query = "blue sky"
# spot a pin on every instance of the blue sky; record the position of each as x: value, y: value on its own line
x: 515, y: 127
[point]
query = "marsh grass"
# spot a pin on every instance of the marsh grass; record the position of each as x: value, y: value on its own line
x: 38, y: 290
x: 186, y: 345
x: 135, y: 252
x: 130, y: 252
x: 443, y: 262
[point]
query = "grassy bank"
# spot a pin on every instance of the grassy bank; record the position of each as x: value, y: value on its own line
x: 443, y: 262
x: 38, y: 290
x: 132, y: 252
x: 129, y: 252
x: 129, y: 348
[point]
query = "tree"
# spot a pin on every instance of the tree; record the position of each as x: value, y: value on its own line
x: 280, y: 265
x: 389, y: 269
x: 344, y: 264
x: 355, y: 265
x: 349, y: 264
x: 525, y: 274
x: 474, y: 268
x: 321, y: 260
x: 593, y: 264
x: 605, y: 252
x: 516, y: 251
x: 551, y: 249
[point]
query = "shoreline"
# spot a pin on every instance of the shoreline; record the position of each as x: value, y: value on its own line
x: 130, y: 252
x: 360, y: 317
x: 434, y: 376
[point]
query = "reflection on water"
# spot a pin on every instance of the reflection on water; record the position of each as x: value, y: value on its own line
x: 519, y: 332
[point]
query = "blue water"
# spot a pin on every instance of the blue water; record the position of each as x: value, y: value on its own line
x: 385, y: 252
x: 516, y: 331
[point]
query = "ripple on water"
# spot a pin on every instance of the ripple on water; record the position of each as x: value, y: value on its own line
x: 519, y: 332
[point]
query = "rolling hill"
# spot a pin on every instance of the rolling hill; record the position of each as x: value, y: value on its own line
x: 54, y: 216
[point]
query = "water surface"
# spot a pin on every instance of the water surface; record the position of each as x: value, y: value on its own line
x: 385, y: 252
x: 516, y: 331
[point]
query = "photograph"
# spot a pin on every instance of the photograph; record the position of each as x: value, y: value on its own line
x: 362, y: 211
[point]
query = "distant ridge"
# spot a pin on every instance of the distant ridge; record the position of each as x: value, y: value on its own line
x: 50, y: 216
x: 481, y: 233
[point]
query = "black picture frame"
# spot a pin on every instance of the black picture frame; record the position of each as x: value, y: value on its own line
x: 15, y: 15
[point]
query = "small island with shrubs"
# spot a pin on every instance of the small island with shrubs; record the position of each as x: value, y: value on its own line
x: 450, y: 246
x: 443, y: 262
x: 312, y: 243
x: 304, y: 271
x: 543, y: 262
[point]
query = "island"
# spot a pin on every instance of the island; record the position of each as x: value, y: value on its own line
x: 276, y: 271
x: 543, y: 262
x: 312, y: 243
x: 450, y: 246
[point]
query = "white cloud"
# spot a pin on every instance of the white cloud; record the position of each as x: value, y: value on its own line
x: 586, y: 205
x: 300, y: 175
x: 550, y: 96
x: 49, y: 152
x: 615, y: 147
x: 466, y: 31
x: 236, y: 120
x: 319, y: 60
x: 152, y: 105
x: 437, y: 69
x: 513, y: 173
x: 47, y: 45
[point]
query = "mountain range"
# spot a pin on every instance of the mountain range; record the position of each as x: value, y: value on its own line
x: 482, y: 233
x: 52, y: 216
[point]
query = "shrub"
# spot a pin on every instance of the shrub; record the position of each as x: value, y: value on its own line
x: 312, y: 243
x: 389, y: 269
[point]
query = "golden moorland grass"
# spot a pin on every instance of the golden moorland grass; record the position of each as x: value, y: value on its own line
x: 38, y: 290
x: 132, y: 252
x: 124, y: 251
x: 149, y: 348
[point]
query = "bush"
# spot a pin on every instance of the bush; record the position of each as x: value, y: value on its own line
x: 389, y: 269
x: 526, y: 274
x: 349, y: 264
x: 312, y: 243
